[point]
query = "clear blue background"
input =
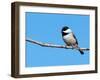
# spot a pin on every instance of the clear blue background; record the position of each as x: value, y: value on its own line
x: 46, y: 28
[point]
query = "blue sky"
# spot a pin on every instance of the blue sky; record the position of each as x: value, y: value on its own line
x: 46, y: 28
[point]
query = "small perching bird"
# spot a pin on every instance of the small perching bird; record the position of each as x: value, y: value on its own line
x: 69, y: 38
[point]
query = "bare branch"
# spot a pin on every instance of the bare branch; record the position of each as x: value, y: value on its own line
x: 53, y: 45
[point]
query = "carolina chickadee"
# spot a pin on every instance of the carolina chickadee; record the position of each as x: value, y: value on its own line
x: 69, y: 38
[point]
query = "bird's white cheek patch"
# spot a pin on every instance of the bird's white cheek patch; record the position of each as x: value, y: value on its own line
x: 67, y: 31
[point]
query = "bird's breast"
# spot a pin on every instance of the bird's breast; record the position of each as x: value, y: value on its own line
x: 69, y: 39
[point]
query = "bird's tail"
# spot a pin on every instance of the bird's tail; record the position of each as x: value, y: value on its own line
x: 81, y: 51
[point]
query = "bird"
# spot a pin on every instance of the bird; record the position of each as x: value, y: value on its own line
x: 69, y: 38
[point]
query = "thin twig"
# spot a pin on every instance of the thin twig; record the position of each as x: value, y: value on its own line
x: 53, y: 45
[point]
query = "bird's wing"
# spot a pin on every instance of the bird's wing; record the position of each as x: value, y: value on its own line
x: 75, y: 39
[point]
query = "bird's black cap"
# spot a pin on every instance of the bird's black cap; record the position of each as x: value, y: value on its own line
x: 65, y: 28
